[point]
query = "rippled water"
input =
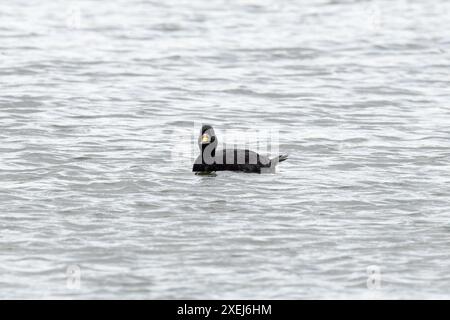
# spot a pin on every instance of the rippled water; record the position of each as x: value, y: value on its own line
x: 95, y: 98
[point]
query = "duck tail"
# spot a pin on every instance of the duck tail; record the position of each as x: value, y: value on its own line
x: 278, y: 159
x: 282, y: 157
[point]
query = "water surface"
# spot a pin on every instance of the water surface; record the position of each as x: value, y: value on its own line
x: 96, y: 97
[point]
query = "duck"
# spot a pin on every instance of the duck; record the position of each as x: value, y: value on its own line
x: 243, y: 160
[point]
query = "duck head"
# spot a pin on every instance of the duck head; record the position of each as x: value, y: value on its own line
x: 207, y: 142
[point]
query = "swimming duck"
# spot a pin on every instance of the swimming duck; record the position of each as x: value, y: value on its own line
x: 244, y: 160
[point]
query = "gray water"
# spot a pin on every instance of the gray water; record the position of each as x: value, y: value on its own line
x: 95, y: 97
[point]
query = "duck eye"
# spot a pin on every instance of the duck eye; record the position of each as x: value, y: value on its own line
x: 205, y: 138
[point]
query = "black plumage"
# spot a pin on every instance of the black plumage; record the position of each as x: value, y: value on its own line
x: 243, y: 160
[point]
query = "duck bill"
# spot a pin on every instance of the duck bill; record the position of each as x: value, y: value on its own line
x: 205, y: 139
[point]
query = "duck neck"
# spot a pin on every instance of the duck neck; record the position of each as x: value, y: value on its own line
x: 208, y: 153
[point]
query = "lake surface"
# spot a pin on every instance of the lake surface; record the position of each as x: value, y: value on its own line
x: 99, y: 112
